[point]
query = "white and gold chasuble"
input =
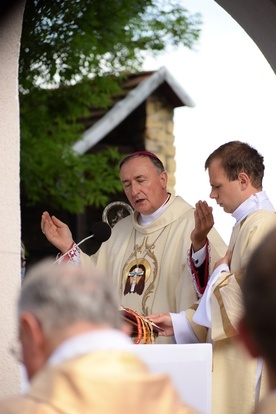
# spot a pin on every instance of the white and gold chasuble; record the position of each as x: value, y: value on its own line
x: 163, y: 281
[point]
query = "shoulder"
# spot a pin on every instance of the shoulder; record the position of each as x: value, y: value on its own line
x: 179, y: 200
x: 254, y: 229
x: 124, y: 223
x: 267, y: 405
x: 260, y: 218
x: 178, y: 204
x: 24, y: 405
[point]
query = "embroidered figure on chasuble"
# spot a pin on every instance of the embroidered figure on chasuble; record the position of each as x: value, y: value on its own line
x: 146, y: 280
x: 137, y: 274
x: 138, y: 269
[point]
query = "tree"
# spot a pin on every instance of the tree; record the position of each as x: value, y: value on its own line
x: 73, y: 54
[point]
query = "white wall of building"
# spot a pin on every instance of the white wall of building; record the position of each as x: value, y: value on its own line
x: 10, y: 32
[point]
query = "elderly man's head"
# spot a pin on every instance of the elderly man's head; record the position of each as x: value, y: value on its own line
x: 144, y: 180
x: 60, y: 301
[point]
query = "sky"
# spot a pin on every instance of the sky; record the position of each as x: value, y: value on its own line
x: 234, y: 91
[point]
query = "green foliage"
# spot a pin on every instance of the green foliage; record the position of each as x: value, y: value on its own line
x: 51, y: 171
x: 72, y: 53
x: 64, y: 180
x: 63, y: 41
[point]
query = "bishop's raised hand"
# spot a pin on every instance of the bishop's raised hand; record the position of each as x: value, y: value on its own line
x: 57, y: 232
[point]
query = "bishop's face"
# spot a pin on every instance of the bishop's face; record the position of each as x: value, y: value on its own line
x: 144, y: 185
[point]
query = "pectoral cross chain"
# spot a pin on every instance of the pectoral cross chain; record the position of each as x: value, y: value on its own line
x: 137, y: 272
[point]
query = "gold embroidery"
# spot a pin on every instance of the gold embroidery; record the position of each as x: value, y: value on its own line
x: 227, y: 325
x: 149, y: 266
x: 199, y: 330
x: 138, y: 270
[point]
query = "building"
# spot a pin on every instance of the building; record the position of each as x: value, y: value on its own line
x: 140, y: 117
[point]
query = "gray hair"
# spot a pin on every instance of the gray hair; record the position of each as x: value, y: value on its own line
x: 154, y: 159
x: 59, y: 295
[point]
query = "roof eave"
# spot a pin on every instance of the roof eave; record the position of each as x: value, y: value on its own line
x: 126, y: 106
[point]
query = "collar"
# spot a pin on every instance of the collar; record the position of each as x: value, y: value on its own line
x: 257, y: 201
x: 146, y: 220
x: 89, y: 342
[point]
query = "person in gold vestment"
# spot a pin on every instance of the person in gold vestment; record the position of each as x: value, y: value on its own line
x: 236, y: 172
x: 146, y: 254
x: 257, y: 326
x: 77, y: 357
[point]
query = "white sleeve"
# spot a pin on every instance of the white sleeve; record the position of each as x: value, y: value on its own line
x: 71, y: 257
x: 202, y: 315
x: 183, y: 332
x: 199, y: 256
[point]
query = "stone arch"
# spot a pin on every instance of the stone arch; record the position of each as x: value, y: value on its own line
x: 258, y: 20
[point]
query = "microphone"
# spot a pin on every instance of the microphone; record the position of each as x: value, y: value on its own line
x: 101, y: 232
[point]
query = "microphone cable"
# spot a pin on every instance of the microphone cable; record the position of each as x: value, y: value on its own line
x: 103, y: 236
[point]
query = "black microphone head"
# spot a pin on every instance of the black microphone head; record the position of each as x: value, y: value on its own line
x: 101, y: 231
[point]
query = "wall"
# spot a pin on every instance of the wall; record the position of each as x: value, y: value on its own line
x: 159, y: 134
x: 10, y: 31
x: 258, y: 19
